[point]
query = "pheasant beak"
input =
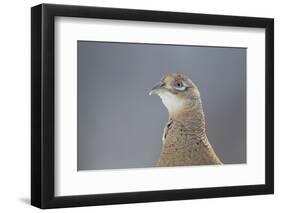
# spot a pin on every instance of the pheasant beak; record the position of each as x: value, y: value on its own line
x: 157, y: 88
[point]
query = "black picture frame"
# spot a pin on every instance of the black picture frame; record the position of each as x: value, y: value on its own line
x: 43, y: 100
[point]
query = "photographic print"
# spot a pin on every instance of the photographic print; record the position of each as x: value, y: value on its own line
x: 199, y: 119
x: 134, y: 106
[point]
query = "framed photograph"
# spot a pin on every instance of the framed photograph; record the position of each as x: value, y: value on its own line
x: 138, y: 106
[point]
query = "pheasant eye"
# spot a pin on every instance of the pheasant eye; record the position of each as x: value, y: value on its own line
x: 178, y: 84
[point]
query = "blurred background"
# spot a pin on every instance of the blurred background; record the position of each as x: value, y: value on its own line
x: 121, y: 126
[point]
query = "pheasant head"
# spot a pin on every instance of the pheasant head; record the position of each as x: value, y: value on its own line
x: 178, y: 93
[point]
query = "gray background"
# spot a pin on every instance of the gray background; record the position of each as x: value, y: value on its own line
x: 120, y: 125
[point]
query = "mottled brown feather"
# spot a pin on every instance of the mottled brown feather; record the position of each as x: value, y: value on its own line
x: 183, y: 148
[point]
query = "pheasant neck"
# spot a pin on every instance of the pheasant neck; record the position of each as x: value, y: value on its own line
x: 193, y: 121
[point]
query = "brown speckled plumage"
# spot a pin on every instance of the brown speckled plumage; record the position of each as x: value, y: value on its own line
x: 185, y: 141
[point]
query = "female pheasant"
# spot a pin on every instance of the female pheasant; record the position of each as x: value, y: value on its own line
x: 184, y: 139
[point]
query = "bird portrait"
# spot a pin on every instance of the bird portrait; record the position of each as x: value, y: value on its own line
x: 184, y: 140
